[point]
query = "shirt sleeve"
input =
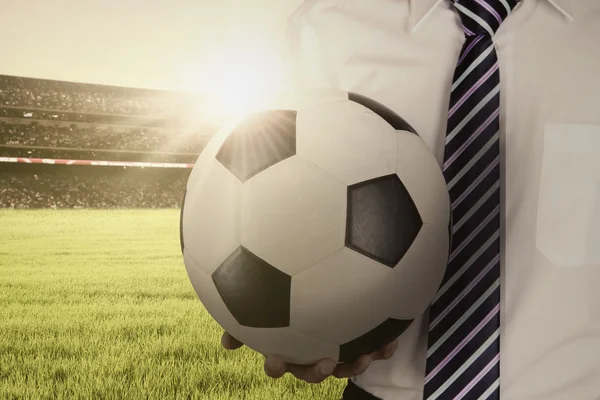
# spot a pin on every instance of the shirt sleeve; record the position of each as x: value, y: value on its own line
x: 306, y: 63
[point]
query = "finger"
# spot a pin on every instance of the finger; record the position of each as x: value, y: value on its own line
x: 274, y: 366
x: 229, y: 342
x: 353, y: 369
x: 386, y: 352
x: 313, y: 373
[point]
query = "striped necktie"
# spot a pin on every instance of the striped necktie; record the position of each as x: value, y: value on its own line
x: 463, y: 355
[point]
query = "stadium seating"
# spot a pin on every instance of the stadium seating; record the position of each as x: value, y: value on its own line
x: 47, y: 120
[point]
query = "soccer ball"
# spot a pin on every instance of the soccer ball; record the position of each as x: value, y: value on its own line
x: 316, y: 228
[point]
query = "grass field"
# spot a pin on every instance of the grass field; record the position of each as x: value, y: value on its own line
x: 96, y: 304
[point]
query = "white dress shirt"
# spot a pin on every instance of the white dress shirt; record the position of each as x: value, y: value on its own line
x: 402, y: 53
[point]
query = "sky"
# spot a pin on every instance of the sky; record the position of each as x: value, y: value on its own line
x: 168, y: 44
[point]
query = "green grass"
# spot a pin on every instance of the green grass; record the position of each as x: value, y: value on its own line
x: 96, y: 304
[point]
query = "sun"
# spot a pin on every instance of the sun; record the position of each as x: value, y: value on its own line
x: 242, y: 78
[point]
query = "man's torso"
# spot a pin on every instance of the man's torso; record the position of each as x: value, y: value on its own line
x: 403, y: 54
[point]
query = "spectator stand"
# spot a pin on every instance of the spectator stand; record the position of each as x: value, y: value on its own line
x: 73, y: 145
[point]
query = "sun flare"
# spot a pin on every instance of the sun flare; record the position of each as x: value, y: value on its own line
x: 242, y: 78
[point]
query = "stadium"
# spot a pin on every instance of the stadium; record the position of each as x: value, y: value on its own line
x: 94, y: 298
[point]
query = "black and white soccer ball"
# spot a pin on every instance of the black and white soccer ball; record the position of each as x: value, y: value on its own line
x: 316, y: 229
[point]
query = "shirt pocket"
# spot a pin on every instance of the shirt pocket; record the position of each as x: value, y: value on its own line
x: 568, y: 220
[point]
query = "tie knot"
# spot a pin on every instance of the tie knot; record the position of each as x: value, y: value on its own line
x: 483, y: 17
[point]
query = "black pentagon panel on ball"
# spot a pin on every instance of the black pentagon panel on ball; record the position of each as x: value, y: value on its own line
x: 384, y: 333
x: 260, y: 141
x: 396, y: 121
x: 382, y: 219
x: 256, y: 293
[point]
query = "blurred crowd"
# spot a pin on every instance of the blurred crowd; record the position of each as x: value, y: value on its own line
x: 88, y: 98
x: 66, y: 120
x: 129, y: 189
x: 91, y: 136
